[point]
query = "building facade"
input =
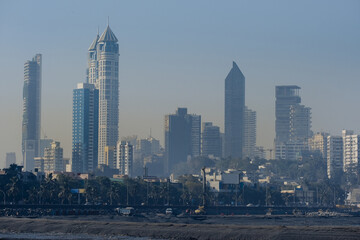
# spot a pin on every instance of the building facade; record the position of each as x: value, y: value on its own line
x: 292, y: 124
x: 31, y: 111
x: 182, y: 136
x: 319, y: 143
x: 124, y: 159
x: 85, y: 128
x: 53, y: 159
x: 334, y: 156
x: 103, y: 72
x: 211, y: 140
x: 234, y: 112
x: 300, y: 124
x: 195, y: 122
x: 249, y: 148
x: 44, y: 143
x: 351, y: 152
x: 285, y: 97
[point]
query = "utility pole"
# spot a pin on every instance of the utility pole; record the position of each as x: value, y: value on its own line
x: 168, y: 195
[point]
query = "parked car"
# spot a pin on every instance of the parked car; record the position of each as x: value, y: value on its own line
x: 169, y: 211
x: 128, y: 211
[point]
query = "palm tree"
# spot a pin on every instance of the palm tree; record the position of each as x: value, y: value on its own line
x: 65, y: 188
x: 14, y: 188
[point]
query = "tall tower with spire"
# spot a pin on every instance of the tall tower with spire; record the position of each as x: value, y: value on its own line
x: 103, y: 72
x: 92, y: 71
x: 234, y: 112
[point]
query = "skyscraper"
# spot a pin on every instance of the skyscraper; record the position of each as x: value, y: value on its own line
x: 103, y: 71
x: 234, y: 112
x: 292, y: 124
x: 195, y: 122
x: 85, y: 128
x: 182, y: 138
x: 211, y: 140
x: 249, y: 133
x: 31, y: 111
x: 285, y: 97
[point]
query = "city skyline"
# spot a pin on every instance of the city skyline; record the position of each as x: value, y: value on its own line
x: 313, y: 56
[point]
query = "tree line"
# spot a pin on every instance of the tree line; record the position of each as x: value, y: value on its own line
x: 16, y: 189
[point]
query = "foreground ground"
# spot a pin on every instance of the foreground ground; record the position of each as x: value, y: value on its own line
x: 165, y: 227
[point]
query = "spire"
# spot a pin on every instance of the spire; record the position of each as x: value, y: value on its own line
x: 235, y: 68
x: 94, y: 43
x: 108, y: 36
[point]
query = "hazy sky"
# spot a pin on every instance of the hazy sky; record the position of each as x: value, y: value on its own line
x: 177, y: 54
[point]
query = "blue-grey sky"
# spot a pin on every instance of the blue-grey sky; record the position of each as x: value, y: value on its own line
x: 177, y: 54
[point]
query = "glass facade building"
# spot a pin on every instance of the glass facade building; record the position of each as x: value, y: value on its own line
x: 85, y: 128
x: 234, y: 112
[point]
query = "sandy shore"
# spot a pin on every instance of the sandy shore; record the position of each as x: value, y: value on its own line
x: 169, y: 230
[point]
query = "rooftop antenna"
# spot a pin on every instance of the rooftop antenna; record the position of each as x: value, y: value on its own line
x: 98, y: 30
x: 150, y: 132
x: 108, y: 20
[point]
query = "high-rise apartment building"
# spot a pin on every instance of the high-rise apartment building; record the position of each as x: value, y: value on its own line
x: 300, y: 123
x: 182, y: 136
x: 10, y: 159
x: 351, y: 152
x: 334, y: 155
x: 319, y: 143
x: 292, y: 125
x: 234, y: 112
x: 211, y: 140
x: 103, y: 71
x: 195, y: 122
x: 285, y: 97
x: 53, y: 159
x: 249, y: 147
x: 31, y: 111
x: 85, y: 128
x: 124, y: 158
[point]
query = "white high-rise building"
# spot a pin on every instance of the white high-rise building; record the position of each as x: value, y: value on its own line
x: 53, y: 159
x: 249, y: 133
x: 103, y: 71
x: 334, y: 155
x: 124, y: 158
x: 351, y: 148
